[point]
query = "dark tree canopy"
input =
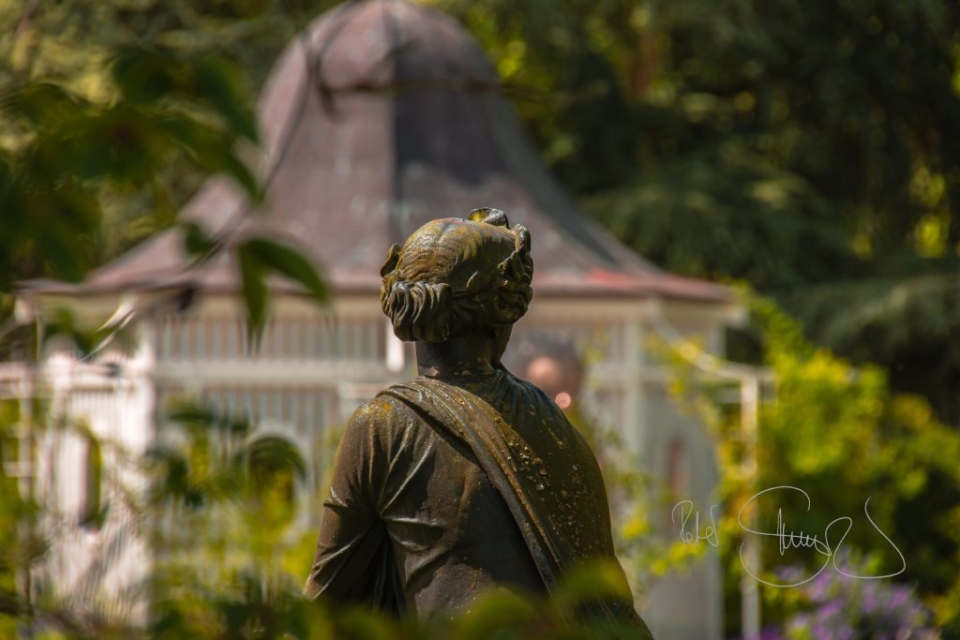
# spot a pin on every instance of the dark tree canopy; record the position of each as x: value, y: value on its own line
x: 810, y: 149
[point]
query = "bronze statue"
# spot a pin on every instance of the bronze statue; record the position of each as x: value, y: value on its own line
x: 466, y: 479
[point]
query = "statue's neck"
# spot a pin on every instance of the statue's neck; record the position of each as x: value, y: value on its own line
x: 457, y: 358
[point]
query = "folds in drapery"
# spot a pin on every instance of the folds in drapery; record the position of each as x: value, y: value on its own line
x: 541, y: 466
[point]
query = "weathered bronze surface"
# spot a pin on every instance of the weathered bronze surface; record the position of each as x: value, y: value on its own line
x: 465, y: 479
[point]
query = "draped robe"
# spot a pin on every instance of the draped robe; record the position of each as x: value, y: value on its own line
x: 442, y: 492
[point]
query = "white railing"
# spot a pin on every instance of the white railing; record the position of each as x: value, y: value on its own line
x: 305, y: 338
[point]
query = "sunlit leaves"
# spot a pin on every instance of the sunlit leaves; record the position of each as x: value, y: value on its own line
x: 67, y: 153
x: 151, y: 76
x: 829, y: 424
x: 200, y: 419
x: 120, y: 144
x: 266, y: 456
x: 218, y: 463
x: 40, y: 102
x: 176, y: 482
x: 247, y: 606
x: 784, y: 143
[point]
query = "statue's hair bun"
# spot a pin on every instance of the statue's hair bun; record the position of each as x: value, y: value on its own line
x: 423, y: 307
x: 419, y: 310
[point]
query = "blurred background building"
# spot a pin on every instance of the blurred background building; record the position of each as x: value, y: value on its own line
x: 378, y: 118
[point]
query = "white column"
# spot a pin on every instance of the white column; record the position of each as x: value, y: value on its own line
x: 395, y: 355
x: 749, y: 588
x: 637, y: 428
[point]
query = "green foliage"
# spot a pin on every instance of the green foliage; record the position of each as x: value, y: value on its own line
x: 905, y: 321
x: 816, y: 109
x: 72, y: 153
x: 227, y: 566
x: 77, y: 155
x: 114, y: 113
x: 810, y: 149
x: 763, y: 222
x: 198, y: 243
x: 19, y: 548
x: 832, y: 425
x: 251, y: 609
x: 256, y: 259
x: 84, y: 339
x: 561, y: 62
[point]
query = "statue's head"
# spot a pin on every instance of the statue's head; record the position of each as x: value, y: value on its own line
x: 455, y: 277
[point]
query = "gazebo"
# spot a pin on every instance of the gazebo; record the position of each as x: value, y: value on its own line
x: 381, y: 116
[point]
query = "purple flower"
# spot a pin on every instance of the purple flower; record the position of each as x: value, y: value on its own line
x: 830, y: 609
x: 846, y: 608
x: 899, y: 597
x: 770, y: 633
x: 870, y: 599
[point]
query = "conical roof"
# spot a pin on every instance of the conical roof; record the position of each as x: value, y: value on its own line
x: 381, y: 116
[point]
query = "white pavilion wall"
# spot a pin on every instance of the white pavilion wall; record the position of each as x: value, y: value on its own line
x: 100, y: 409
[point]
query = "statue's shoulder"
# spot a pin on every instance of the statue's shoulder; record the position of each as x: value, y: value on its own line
x: 418, y: 389
x: 529, y: 389
x: 381, y: 412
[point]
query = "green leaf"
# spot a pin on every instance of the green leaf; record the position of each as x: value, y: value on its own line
x: 292, y: 264
x: 238, y: 425
x: 45, y: 224
x: 125, y: 144
x: 255, y: 259
x: 39, y: 102
x: 84, y: 340
x: 502, y: 614
x: 173, y: 470
x: 255, y: 291
x: 145, y: 75
x: 269, y: 455
x: 192, y: 414
x: 198, y: 243
x: 592, y: 581
x: 211, y: 149
x: 218, y: 82
x: 222, y: 157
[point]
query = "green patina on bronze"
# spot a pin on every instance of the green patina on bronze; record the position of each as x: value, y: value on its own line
x: 466, y: 479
